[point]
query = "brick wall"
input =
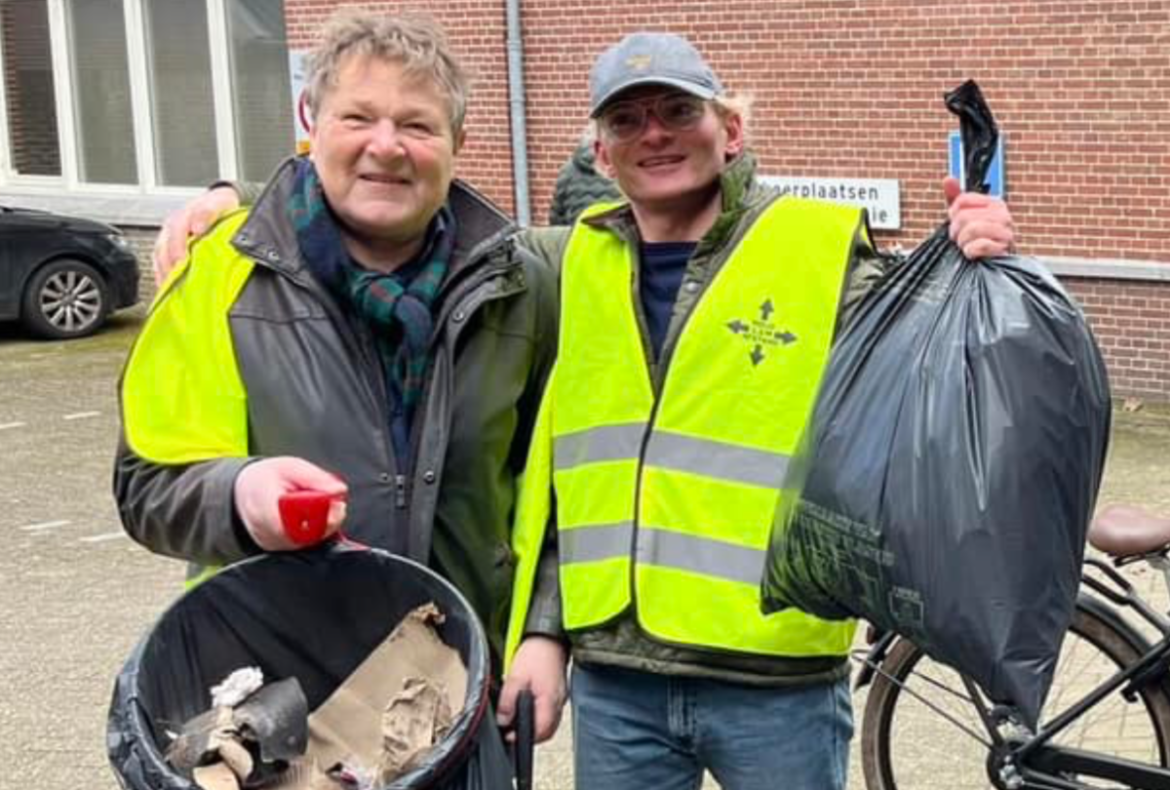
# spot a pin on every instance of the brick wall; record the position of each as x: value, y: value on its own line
x: 142, y: 240
x: 852, y: 88
x: 477, y: 29
x: 1132, y: 324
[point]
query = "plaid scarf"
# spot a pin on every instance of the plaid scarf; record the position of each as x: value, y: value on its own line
x: 398, y: 306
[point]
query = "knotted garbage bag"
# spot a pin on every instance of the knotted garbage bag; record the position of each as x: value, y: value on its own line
x: 315, y: 616
x: 952, y: 462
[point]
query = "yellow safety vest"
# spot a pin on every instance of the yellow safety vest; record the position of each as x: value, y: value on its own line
x: 666, y: 504
x: 182, y: 397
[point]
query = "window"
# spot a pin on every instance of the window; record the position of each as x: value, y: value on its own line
x: 28, y: 88
x: 104, y: 119
x: 260, y: 75
x: 142, y: 95
x: 179, y: 68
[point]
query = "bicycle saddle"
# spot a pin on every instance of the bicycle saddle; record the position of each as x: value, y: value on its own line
x: 1125, y: 530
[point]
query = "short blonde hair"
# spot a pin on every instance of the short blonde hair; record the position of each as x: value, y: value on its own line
x: 417, y: 43
x: 734, y: 104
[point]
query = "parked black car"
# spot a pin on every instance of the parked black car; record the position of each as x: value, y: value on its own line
x: 62, y: 276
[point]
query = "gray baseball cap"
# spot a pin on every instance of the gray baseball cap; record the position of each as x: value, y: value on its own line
x: 650, y: 59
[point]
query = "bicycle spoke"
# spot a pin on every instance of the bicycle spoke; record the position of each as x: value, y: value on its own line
x: 914, y: 704
x: 904, y: 689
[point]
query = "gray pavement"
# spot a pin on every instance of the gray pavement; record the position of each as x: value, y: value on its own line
x: 76, y: 594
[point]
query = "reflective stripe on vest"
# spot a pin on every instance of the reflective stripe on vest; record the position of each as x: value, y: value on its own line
x: 668, y: 505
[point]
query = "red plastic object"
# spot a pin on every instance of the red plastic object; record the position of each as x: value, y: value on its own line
x: 305, y: 515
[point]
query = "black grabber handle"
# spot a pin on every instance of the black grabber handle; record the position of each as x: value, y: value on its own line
x: 524, y: 748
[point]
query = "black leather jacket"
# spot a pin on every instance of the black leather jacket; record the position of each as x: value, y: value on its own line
x: 315, y: 389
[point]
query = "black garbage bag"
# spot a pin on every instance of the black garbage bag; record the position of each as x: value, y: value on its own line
x: 313, y: 615
x: 952, y: 462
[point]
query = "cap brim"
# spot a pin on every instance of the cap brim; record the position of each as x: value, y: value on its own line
x: 683, y: 85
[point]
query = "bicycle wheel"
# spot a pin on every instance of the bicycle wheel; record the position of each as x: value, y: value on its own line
x: 906, y: 745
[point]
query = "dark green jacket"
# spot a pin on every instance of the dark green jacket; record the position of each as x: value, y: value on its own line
x: 579, y: 186
x: 315, y: 389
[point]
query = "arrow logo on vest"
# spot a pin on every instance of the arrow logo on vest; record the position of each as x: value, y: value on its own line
x: 760, y: 333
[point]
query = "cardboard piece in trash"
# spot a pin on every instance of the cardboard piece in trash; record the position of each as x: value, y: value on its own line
x: 384, y: 716
x: 415, y: 720
x: 348, y: 727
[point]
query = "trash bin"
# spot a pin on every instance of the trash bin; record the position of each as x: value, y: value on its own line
x: 313, y: 615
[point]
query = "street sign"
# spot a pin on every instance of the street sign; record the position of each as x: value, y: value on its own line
x: 296, y: 68
x: 878, y: 196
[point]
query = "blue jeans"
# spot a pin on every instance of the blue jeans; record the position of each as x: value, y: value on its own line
x: 639, y: 731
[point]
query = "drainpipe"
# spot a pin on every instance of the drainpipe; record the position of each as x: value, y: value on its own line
x: 516, y: 109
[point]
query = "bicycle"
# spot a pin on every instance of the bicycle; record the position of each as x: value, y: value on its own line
x: 1105, y: 725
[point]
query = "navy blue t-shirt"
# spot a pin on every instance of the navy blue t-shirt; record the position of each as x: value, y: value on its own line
x: 663, y: 265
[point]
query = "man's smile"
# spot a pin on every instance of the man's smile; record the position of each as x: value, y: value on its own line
x: 660, y: 161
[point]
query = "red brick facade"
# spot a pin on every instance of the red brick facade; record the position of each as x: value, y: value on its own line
x: 1132, y: 324
x: 852, y: 88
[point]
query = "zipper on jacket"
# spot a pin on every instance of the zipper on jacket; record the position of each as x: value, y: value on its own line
x: 465, y: 297
x: 662, y: 365
x: 456, y: 299
x: 400, y: 491
x: 359, y: 338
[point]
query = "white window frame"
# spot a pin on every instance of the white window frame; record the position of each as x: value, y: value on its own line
x: 5, y: 164
x: 147, y: 201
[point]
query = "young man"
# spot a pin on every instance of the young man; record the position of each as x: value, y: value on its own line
x: 658, y: 460
x: 368, y: 329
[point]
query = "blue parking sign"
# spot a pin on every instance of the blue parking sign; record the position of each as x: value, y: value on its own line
x: 995, y: 174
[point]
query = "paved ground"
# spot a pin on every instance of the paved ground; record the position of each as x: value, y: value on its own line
x: 75, y: 594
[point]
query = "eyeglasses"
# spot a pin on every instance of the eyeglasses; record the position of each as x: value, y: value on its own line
x: 678, y: 112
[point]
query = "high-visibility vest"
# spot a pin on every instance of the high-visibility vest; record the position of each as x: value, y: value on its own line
x: 185, y: 402
x: 665, y: 503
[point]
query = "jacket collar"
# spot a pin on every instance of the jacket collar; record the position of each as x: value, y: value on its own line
x: 268, y: 237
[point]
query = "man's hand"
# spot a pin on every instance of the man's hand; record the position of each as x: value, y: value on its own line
x: 194, y: 219
x: 261, y: 483
x: 981, y: 225
x: 539, y: 666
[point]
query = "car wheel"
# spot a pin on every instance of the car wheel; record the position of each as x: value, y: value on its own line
x: 65, y: 299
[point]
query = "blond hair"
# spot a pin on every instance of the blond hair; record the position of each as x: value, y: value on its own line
x: 734, y: 104
x: 416, y: 43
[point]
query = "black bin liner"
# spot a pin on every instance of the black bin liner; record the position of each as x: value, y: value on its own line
x: 952, y: 462
x: 313, y: 615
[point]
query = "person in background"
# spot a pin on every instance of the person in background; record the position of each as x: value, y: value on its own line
x: 579, y: 185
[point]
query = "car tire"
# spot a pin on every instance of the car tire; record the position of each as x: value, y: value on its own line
x: 65, y: 299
